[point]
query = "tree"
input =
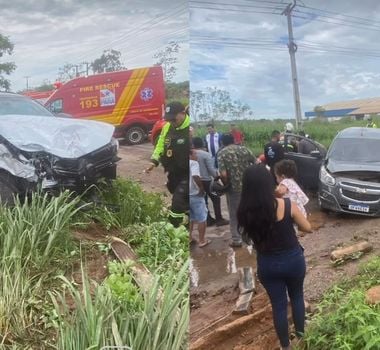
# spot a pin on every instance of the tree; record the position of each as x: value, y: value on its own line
x: 217, y: 104
x: 319, y: 111
x: 167, y: 59
x: 67, y: 72
x: 109, y: 61
x: 177, y: 91
x: 6, y: 48
x: 45, y: 86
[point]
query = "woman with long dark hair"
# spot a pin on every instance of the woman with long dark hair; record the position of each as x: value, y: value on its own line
x: 268, y: 222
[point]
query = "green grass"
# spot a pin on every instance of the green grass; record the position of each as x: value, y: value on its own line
x: 257, y: 132
x: 41, y: 307
x: 99, y: 319
x: 125, y: 203
x: 344, y: 320
x: 35, y: 244
x: 159, y: 245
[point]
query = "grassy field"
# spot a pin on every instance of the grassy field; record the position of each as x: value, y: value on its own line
x: 344, y: 320
x: 257, y: 132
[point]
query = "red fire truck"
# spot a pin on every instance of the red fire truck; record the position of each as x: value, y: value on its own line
x: 131, y: 100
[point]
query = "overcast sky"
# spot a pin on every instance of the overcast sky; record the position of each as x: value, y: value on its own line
x: 236, y: 48
x: 49, y: 33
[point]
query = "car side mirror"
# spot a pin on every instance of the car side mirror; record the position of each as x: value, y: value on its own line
x: 315, y: 154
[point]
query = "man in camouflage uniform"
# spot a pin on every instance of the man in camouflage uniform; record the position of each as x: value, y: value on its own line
x: 172, y: 151
x: 233, y: 160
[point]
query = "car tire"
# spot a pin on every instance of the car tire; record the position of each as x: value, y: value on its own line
x: 322, y: 208
x: 135, y: 135
x: 8, y: 189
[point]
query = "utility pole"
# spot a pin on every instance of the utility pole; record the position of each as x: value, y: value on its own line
x: 76, y: 66
x: 87, y: 64
x: 27, y: 82
x: 292, y: 52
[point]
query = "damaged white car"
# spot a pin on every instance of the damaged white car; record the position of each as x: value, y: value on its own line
x: 39, y: 149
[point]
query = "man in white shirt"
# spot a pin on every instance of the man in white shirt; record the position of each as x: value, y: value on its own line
x: 198, y: 210
x: 213, y: 141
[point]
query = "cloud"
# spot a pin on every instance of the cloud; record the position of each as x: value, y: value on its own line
x: 207, y: 71
x: 47, y: 34
x: 334, y: 61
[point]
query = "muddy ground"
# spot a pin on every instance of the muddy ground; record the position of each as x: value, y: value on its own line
x: 214, y: 286
x: 215, y: 290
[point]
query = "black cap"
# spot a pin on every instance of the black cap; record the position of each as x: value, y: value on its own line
x: 172, y: 109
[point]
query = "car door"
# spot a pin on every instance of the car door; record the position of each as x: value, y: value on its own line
x: 308, y: 164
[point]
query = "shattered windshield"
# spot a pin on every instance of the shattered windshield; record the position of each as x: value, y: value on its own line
x: 22, y: 106
x: 355, y: 150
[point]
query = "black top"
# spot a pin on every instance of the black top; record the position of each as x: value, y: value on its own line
x: 283, y: 235
x: 273, y: 152
x: 175, y: 158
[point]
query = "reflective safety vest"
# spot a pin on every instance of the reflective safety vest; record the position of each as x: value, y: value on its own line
x: 172, y: 149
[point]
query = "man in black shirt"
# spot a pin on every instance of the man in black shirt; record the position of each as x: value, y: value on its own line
x: 273, y: 152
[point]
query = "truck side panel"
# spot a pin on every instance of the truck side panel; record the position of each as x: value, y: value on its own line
x: 119, y: 98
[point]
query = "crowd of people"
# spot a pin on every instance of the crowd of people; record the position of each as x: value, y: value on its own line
x: 266, y: 206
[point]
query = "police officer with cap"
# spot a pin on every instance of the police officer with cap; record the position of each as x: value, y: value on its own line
x: 172, y: 151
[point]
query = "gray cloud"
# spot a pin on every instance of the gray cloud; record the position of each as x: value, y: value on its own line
x: 48, y: 34
x: 332, y: 59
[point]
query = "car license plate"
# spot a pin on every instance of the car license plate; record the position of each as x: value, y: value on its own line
x: 357, y: 207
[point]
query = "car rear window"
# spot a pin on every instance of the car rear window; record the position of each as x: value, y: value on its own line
x: 355, y: 150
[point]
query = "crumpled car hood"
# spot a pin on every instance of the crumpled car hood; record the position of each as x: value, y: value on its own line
x: 66, y: 138
x: 337, y: 167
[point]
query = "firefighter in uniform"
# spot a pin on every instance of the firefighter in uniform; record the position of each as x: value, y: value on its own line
x: 172, y: 151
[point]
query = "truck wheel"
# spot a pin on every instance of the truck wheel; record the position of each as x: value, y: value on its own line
x: 135, y: 135
x: 7, y: 189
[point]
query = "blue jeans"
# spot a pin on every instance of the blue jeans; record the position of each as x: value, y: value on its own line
x: 281, y: 274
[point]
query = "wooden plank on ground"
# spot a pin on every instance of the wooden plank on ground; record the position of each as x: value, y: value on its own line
x: 243, y: 304
x: 246, y: 280
x: 125, y: 253
x: 351, y: 251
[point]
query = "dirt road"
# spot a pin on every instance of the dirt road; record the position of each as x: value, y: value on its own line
x: 214, y: 288
x: 134, y: 159
x: 214, y: 276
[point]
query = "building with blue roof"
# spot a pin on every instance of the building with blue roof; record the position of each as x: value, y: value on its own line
x: 356, y: 109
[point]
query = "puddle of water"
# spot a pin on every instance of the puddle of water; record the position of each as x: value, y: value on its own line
x: 231, y: 261
x: 194, y: 275
x: 216, y: 264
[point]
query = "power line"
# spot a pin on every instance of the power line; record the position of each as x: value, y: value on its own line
x: 229, y: 10
x: 263, y: 1
x: 338, y: 19
x: 276, y: 46
x: 169, y: 36
x: 233, y: 4
x: 150, y: 24
x: 340, y: 14
x: 335, y: 21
